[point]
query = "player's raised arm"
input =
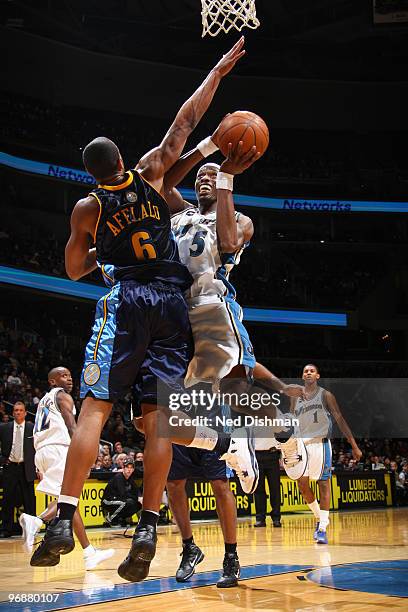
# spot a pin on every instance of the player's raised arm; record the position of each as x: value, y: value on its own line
x: 265, y: 377
x: 80, y: 260
x: 232, y: 234
x: 341, y: 422
x: 154, y: 165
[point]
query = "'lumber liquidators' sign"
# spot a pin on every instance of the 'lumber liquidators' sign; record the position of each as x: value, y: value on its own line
x: 353, y: 490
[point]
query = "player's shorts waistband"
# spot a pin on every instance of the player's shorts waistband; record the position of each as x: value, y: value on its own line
x: 157, y: 285
x: 201, y: 300
x: 315, y: 441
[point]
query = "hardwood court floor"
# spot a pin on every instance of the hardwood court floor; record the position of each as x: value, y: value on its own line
x: 277, y: 563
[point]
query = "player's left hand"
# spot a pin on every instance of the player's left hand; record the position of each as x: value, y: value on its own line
x: 356, y: 452
x: 294, y: 391
x: 238, y: 161
x: 228, y: 61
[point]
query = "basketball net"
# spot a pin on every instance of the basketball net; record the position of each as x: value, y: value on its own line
x: 223, y: 15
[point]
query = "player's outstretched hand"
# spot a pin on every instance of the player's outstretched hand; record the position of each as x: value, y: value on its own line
x: 238, y: 161
x: 356, y: 452
x: 228, y: 61
x: 294, y: 391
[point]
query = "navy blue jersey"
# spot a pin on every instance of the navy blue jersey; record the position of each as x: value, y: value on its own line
x: 133, y: 234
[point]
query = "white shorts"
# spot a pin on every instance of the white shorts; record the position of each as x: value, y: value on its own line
x: 220, y: 342
x: 50, y: 462
x: 319, y: 455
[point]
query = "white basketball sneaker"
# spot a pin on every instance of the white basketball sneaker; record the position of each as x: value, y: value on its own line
x: 30, y: 525
x: 241, y: 458
x: 97, y: 556
x: 294, y: 457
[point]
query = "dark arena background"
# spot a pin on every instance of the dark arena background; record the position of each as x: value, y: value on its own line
x: 324, y: 280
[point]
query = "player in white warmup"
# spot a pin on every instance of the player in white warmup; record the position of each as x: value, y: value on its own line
x: 54, y: 426
x: 211, y: 238
x: 315, y: 411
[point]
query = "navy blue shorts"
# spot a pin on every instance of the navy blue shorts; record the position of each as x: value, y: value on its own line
x: 191, y: 462
x: 141, y: 335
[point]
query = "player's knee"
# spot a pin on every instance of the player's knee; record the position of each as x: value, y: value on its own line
x: 221, y: 488
x: 175, y: 486
x: 303, y: 485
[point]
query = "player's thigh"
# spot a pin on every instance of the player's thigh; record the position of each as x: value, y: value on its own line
x: 185, y: 464
x: 170, y: 347
x: 118, y: 343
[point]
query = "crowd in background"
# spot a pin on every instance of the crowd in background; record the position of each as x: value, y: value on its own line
x: 347, y: 164
x: 24, y: 363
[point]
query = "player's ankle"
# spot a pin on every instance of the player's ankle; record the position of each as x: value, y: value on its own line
x: 148, y: 518
x: 66, y: 507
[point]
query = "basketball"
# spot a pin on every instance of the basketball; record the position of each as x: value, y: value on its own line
x: 245, y: 126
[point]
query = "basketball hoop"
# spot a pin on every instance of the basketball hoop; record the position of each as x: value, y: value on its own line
x: 223, y: 15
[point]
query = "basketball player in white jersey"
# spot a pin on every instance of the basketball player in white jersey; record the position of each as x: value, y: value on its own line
x: 211, y: 239
x: 54, y: 426
x: 315, y: 411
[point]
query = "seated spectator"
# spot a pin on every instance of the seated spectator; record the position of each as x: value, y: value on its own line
x: 97, y: 465
x: 118, y: 463
x: 139, y: 465
x: 403, y: 476
x: 105, y: 449
x: 107, y: 463
x: 121, y: 497
x: 117, y: 450
x: 13, y: 380
x: 377, y: 464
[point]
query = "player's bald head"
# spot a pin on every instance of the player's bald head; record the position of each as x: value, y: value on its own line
x: 101, y: 158
x: 210, y: 166
x: 56, y: 373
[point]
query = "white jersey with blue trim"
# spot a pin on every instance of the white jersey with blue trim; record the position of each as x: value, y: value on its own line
x: 196, y: 236
x: 314, y: 418
x: 49, y: 427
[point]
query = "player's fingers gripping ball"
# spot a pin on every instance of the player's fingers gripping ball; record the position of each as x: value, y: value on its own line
x: 245, y: 127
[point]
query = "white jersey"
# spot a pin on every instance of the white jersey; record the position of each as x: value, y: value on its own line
x: 196, y: 237
x: 49, y: 425
x: 314, y: 419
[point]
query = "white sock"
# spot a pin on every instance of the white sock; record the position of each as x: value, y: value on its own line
x: 324, y: 519
x: 204, y: 438
x: 67, y: 499
x: 88, y: 551
x: 315, y: 508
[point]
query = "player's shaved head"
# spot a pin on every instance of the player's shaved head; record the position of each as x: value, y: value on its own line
x: 57, y: 372
x: 209, y: 165
x: 101, y: 157
x: 60, y: 377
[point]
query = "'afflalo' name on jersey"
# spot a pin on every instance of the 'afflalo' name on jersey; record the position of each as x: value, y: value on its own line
x: 133, y: 234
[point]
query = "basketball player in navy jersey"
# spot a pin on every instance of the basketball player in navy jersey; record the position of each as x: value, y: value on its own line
x: 141, y: 333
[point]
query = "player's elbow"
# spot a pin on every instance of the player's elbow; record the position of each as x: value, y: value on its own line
x: 72, y: 273
x: 229, y: 246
